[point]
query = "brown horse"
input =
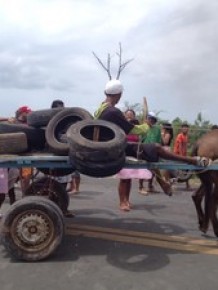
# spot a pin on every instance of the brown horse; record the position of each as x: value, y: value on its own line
x: 207, y: 146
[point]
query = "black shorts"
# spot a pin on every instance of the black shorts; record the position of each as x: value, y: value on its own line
x: 146, y: 152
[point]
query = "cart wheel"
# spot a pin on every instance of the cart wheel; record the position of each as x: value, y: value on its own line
x: 32, y: 228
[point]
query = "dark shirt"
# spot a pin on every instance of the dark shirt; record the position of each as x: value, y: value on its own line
x: 115, y: 116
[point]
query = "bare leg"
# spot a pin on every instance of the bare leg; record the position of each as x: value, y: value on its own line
x: 11, y: 195
x: 75, y: 183
x: 141, y: 186
x: 25, y: 182
x: 188, y: 186
x: 142, y: 190
x: 166, y: 186
x: 168, y: 155
x: 2, y: 198
x: 124, y: 193
x: 150, y: 183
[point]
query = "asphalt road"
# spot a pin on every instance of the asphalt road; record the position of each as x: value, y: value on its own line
x: 157, y: 245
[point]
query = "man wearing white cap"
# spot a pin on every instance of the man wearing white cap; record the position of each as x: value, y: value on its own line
x: 107, y: 111
x: 149, y: 152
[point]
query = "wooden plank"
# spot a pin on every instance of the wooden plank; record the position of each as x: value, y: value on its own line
x: 96, y: 133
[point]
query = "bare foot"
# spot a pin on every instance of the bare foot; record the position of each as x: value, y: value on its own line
x: 73, y: 191
x: 125, y: 206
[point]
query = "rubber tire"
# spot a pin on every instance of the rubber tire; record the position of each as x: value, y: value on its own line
x: 111, y: 143
x: 35, y: 137
x: 99, y: 169
x: 13, y: 143
x: 41, y: 118
x: 51, y: 189
x: 30, y: 207
x: 59, y: 125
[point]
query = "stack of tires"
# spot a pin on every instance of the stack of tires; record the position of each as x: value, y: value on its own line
x: 55, y: 123
x: 19, y: 138
x: 97, y: 147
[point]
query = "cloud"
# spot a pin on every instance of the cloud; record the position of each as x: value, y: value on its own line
x: 46, y: 51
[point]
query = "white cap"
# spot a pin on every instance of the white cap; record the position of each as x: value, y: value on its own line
x: 152, y: 115
x: 113, y: 87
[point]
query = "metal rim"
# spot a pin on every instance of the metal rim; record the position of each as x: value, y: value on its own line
x: 32, y: 230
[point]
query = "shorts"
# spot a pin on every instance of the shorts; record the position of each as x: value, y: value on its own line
x: 147, y: 152
x: 128, y: 173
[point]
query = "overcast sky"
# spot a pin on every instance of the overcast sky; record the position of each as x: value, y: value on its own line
x: 46, y: 53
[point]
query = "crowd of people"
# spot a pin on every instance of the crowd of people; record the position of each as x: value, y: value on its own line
x: 146, y: 141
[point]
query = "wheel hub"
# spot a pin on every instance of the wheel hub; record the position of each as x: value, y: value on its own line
x: 33, y: 228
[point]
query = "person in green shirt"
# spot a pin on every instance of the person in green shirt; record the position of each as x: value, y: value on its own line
x: 153, y: 135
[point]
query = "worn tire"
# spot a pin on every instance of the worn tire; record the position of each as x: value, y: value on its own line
x: 41, y: 118
x: 109, y: 146
x: 50, y: 189
x: 35, y: 137
x: 57, y: 128
x: 13, y: 143
x: 32, y: 228
x: 99, y: 169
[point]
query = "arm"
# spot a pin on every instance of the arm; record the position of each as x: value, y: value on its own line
x: 140, y: 129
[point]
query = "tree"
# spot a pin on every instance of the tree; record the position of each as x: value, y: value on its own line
x: 107, y: 66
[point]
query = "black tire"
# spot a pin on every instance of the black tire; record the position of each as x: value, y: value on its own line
x: 51, y: 189
x: 57, y: 128
x: 35, y: 137
x: 57, y: 171
x: 12, y: 143
x: 32, y: 228
x: 99, y: 169
x: 41, y: 118
x: 110, y: 145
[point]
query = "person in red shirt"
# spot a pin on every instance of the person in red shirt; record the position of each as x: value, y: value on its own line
x: 181, y: 144
x: 181, y: 141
